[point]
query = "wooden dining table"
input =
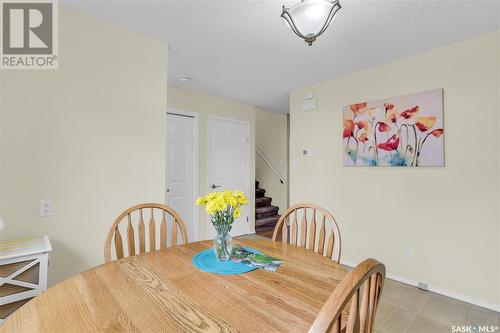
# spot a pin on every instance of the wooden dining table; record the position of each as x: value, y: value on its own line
x: 162, y: 291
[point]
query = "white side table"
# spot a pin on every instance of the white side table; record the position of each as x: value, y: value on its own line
x: 23, y: 272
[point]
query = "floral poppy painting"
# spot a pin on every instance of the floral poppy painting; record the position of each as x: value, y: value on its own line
x: 404, y: 131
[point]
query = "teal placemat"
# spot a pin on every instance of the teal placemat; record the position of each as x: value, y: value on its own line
x: 207, y: 262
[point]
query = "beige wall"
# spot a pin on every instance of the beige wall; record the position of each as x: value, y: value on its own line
x: 90, y: 136
x: 498, y: 163
x: 271, y: 137
x: 1, y: 117
x: 449, y: 215
x: 208, y: 105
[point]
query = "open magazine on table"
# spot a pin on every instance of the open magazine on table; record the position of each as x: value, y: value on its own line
x: 244, y: 256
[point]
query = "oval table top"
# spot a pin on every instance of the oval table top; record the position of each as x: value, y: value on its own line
x: 162, y: 291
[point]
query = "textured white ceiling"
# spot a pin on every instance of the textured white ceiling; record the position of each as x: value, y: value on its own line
x: 243, y: 50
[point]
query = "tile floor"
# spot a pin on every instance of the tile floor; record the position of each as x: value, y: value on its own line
x: 406, y: 309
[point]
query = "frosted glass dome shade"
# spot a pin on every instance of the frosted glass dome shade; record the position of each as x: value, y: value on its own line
x: 310, y: 18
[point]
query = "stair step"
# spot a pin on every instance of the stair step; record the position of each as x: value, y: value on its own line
x: 263, y: 201
x: 266, y: 211
x: 259, y: 193
x: 268, y: 230
x: 267, y: 214
x: 266, y: 221
x: 264, y: 215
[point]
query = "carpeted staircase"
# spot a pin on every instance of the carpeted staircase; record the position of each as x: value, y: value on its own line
x: 266, y: 215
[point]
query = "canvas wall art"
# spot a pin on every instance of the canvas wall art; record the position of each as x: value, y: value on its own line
x: 404, y: 131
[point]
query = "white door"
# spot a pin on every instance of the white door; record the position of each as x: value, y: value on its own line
x: 228, y: 164
x: 181, y: 171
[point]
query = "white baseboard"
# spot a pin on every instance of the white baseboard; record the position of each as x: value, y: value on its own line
x: 435, y: 289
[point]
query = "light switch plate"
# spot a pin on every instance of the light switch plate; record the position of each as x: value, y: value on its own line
x: 46, y: 207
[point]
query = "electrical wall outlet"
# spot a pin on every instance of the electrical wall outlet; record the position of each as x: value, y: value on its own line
x: 410, y: 252
x: 46, y: 207
x: 423, y: 286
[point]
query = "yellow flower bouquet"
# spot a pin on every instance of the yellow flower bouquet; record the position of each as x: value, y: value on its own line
x: 223, y: 208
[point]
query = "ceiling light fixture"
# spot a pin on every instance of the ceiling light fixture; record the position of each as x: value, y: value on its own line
x: 185, y: 79
x: 310, y: 18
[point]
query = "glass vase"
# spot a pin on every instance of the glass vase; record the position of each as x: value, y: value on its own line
x: 223, y: 246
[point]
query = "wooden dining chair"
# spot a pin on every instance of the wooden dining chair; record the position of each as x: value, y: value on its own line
x: 310, y: 226
x: 135, y: 232
x: 352, y: 306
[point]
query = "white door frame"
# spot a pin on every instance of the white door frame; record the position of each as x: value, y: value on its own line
x: 249, y: 184
x: 196, y: 165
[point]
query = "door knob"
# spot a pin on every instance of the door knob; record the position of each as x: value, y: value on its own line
x: 215, y: 186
